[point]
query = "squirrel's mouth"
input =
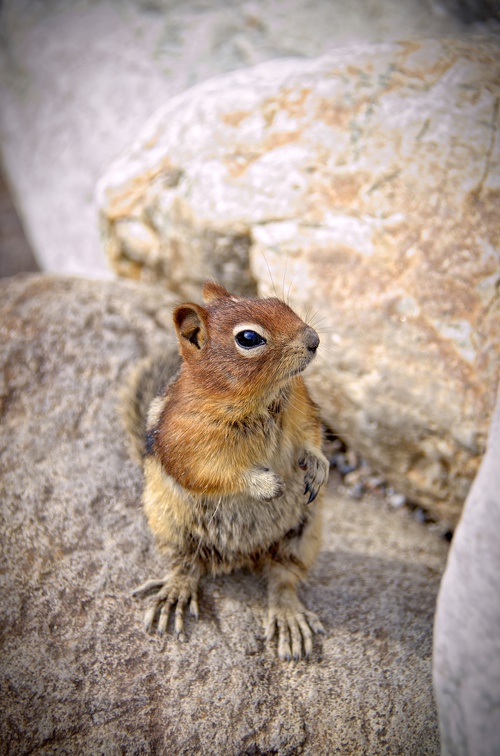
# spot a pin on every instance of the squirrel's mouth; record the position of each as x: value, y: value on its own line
x: 302, y: 367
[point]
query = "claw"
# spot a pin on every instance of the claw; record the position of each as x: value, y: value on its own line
x: 172, y: 591
x: 312, y: 496
x: 193, y: 607
x: 311, y: 491
x: 316, y: 468
x: 295, y: 629
x: 148, y: 586
x: 149, y: 619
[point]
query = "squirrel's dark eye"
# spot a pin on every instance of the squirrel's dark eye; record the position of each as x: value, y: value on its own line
x: 249, y: 339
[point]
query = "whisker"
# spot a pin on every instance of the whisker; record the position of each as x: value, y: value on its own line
x: 284, y: 276
x: 268, y: 269
x: 315, y: 321
x: 289, y: 288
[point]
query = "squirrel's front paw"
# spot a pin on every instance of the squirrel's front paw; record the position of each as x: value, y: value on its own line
x: 316, y: 468
x: 180, y: 590
x: 265, y: 484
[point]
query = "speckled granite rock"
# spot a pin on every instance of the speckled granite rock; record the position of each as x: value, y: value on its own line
x: 365, y: 184
x: 78, y: 674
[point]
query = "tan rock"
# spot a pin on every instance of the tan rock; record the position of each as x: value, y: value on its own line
x: 367, y: 183
x: 79, y: 79
x: 406, y: 380
x: 78, y: 673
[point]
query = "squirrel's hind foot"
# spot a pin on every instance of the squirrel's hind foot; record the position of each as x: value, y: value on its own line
x: 173, y: 590
x: 295, y: 626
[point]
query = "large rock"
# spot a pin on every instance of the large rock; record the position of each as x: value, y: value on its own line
x: 365, y: 185
x: 78, y: 80
x: 466, y: 637
x: 78, y: 673
x: 406, y: 377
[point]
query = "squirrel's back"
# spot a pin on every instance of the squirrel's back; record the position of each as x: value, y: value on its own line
x: 148, y: 380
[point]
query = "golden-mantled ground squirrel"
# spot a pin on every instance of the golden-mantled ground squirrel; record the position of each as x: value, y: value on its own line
x: 232, y: 459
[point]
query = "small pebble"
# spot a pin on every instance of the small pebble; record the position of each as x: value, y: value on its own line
x: 338, y: 460
x: 352, y: 459
x: 374, y: 481
x: 353, y: 477
x: 420, y: 515
x: 397, y: 500
x: 356, y: 491
x: 345, y: 469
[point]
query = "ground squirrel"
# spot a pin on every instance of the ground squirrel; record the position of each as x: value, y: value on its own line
x: 231, y: 451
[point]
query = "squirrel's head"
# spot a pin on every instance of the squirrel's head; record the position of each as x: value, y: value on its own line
x: 242, y: 347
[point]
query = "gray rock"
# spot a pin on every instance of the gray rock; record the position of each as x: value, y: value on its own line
x: 362, y: 186
x: 15, y: 253
x: 78, y: 674
x: 467, y: 637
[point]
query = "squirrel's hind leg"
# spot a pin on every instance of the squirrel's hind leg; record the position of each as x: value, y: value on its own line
x: 178, y: 588
x: 287, y: 615
x: 295, y: 625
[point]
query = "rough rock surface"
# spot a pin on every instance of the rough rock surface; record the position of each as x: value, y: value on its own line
x: 366, y: 187
x: 466, y: 637
x: 406, y: 378
x: 78, y: 674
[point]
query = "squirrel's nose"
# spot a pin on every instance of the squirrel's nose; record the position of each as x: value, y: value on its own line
x: 311, y: 339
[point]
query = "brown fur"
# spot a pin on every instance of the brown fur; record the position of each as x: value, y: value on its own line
x: 233, y: 462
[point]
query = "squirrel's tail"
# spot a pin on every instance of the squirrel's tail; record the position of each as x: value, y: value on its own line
x: 147, y: 380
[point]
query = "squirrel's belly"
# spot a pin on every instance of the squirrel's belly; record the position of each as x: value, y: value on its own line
x: 224, y: 532
x: 240, y: 527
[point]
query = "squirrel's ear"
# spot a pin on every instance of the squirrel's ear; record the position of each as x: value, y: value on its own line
x: 212, y: 291
x: 190, y: 322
